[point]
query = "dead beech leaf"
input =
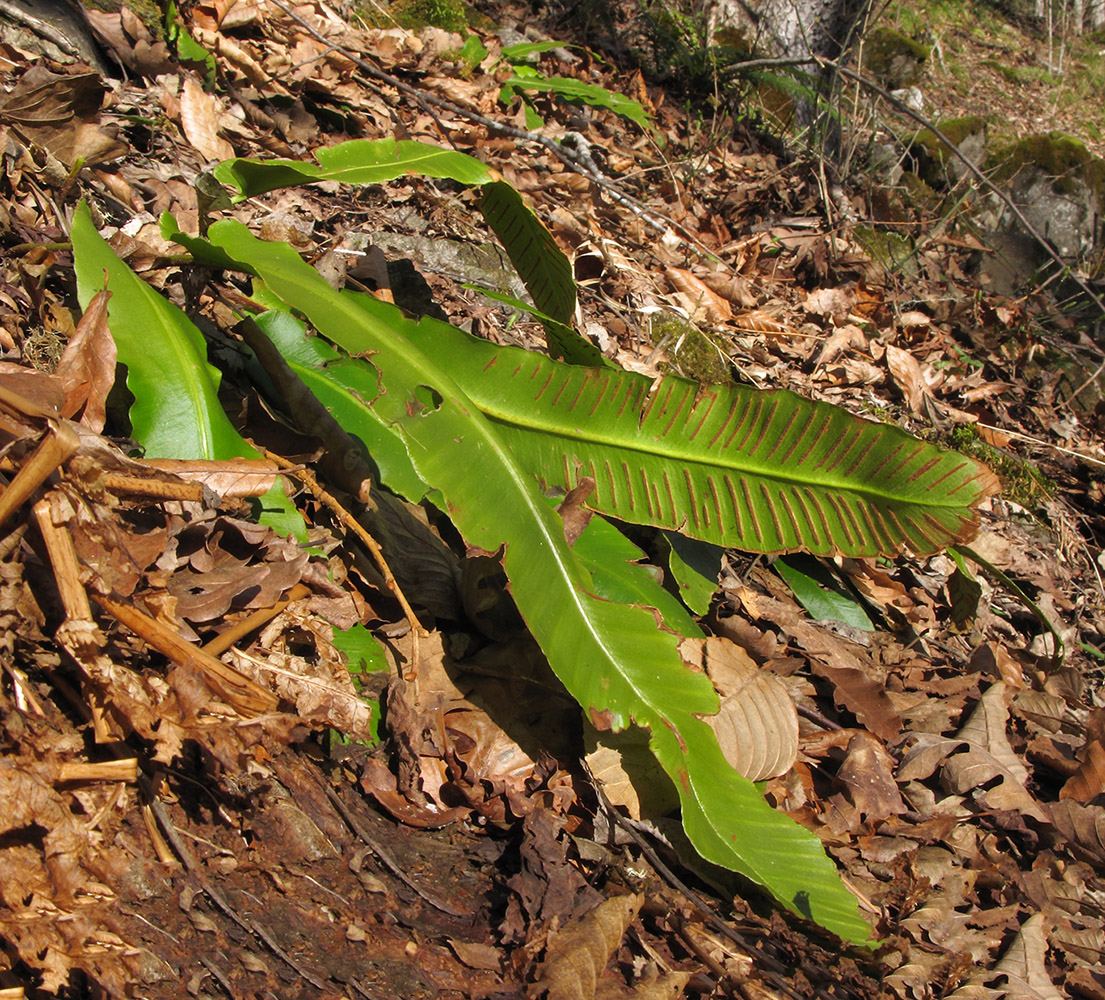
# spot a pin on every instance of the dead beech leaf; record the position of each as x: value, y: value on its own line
x: 734, y: 288
x: 1089, y: 780
x: 629, y: 773
x: 757, y: 723
x: 830, y: 302
x: 578, y: 954
x: 199, y: 118
x: 907, y: 376
x: 87, y: 366
x: 1024, y: 963
x: 843, y: 339
x: 759, y: 321
x: 868, y: 776
x: 699, y: 301
x: 979, y: 753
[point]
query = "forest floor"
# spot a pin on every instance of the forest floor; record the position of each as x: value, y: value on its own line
x: 166, y: 830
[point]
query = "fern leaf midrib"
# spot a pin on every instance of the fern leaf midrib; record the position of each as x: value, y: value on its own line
x: 651, y: 449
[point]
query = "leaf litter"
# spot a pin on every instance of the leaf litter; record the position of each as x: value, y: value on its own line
x: 183, y: 816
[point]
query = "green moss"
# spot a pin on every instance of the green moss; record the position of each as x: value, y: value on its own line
x: 693, y: 354
x: 1022, y: 482
x: 894, y: 58
x: 1060, y: 156
x: 932, y: 155
x: 414, y: 15
x: 892, y: 250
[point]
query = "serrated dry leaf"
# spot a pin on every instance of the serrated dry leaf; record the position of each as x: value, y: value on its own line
x: 1088, y: 781
x: 578, y: 954
x: 199, y: 119
x: 700, y: 302
x: 757, y: 723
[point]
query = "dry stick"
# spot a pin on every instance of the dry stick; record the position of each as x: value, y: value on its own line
x: 234, y: 686
x: 308, y: 479
x: 224, y: 640
x: 1044, y: 444
x: 78, y: 634
x: 386, y: 859
x: 249, y: 925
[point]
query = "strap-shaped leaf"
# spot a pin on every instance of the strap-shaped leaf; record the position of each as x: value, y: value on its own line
x: 532, y: 250
x: 176, y: 411
x: 761, y: 471
x: 359, y: 161
x: 542, y: 266
x: 612, y: 657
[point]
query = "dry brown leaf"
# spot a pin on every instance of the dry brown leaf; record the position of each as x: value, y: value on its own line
x: 843, y: 339
x: 907, y: 376
x: 700, y: 302
x: 757, y: 723
x: 1083, y: 826
x: 629, y: 773
x: 199, y: 118
x: 1024, y: 964
x: 578, y: 954
x: 734, y: 288
x: 867, y: 775
x: 830, y: 302
x: 87, y: 366
x: 979, y: 753
x: 1089, y: 780
x: 669, y: 986
x: 759, y: 321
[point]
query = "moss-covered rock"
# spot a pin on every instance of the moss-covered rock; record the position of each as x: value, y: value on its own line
x: 893, y: 59
x: 1057, y: 184
x: 449, y: 15
x: 934, y: 160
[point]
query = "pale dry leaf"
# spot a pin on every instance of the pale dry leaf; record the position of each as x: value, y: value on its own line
x: 757, y: 723
x: 199, y: 118
x: 834, y: 302
x: 989, y: 756
x: 843, y: 339
x: 1024, y: 964
x: 1083, y: 826
x: 628, y: 771
x: 700, y: 302
x: 735, y: 288
x: 318, y: 694
x: 1088, y: 781
x: 1085, y: 944
x: 577, y: 955
x: 867, y: 775
x: 759, y: 321
x: 87, y: 366
x: 906, y: 371
x: 669, y: 986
